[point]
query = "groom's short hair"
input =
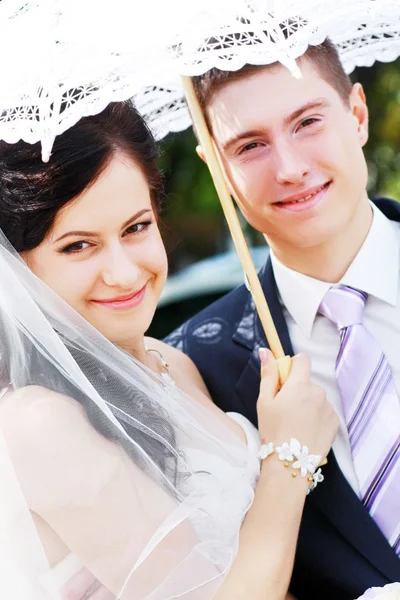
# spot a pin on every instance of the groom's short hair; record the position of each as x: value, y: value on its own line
x: 324, y: 57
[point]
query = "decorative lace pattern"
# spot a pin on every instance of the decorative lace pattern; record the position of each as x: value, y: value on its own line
x: 70, y: 58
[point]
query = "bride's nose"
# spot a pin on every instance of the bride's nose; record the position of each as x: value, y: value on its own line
x: 120, y: 268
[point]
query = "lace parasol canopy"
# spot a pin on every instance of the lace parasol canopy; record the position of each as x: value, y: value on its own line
x: 65, y: 59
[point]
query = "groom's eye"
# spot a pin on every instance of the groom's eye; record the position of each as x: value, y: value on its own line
x: 307, y: 122
x: 249, y: 147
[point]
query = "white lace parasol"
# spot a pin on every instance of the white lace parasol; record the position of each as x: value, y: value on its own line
x: 64, y: 59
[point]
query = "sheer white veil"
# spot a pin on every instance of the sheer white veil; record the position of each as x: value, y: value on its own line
x: 93, y: 441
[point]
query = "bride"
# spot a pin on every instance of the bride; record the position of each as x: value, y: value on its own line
x: 120, y: 478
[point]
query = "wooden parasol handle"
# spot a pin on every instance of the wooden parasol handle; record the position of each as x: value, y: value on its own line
x: 284, y: 362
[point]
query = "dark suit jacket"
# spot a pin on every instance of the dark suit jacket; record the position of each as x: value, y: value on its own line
x: 341, y: 552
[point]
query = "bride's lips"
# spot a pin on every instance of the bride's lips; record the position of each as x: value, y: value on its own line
x: 304, y: 200
x: 123, y: 302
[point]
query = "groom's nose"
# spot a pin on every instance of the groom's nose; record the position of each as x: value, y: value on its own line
x: 290, y: 164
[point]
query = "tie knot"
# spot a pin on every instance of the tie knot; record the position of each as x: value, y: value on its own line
x: 344, y: 306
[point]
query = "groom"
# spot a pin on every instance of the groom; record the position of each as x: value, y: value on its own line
x: 292, y: 151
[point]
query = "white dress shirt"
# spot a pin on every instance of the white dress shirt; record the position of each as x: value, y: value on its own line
x: 375, y: 270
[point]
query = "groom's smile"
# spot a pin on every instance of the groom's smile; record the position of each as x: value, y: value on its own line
x: 304, y: 200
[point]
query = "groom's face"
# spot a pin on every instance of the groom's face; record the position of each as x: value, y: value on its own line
x: 292, y: 150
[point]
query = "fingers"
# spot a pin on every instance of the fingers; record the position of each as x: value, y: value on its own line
x: 301, y: 368
x: 269, y: 385
x: 300, y: 372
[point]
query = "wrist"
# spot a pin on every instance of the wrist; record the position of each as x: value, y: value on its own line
x: 294, y: 458
x: 274, y: 474
x: 274, y: 465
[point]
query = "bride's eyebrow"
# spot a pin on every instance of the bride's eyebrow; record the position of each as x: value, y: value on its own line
x: 81, y: 233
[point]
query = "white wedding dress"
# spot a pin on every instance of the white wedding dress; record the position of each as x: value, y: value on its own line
x: 233, y: 499
x: 105, y: 466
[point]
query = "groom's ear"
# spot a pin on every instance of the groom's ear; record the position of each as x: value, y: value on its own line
x: 200, y: 153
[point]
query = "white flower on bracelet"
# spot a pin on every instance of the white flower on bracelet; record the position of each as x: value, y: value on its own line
x: 285, y: 452
x: 306, y: 463
x: 317, y: 478
x: 266, y: 450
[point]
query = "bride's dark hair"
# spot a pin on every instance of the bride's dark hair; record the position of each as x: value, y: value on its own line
x: 31, y: 194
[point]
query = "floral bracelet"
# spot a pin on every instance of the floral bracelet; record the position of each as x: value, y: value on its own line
x: 294, y: 455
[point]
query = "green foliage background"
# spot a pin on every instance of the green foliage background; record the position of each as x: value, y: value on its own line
x: 193, y: 224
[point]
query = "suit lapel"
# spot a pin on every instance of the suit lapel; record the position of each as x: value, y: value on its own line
x: 249, y: 334
x: 337, y: 501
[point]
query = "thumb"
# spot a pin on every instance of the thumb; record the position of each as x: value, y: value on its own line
x: 269, y: 385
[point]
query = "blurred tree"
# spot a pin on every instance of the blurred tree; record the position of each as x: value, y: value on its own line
x: 194, y: 226
x: 382, y: 87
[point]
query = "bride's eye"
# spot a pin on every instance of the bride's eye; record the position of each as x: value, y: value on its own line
x: 75, y: 248
x: 138, y: 227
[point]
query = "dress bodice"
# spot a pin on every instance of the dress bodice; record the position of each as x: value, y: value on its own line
x: 226, y: 503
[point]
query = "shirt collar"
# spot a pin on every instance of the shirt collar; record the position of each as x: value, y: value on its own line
x: 375, y: 270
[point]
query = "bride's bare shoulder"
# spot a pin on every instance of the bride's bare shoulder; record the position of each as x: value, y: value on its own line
x: 53, y: 446
x: 36, y: 415
x: 35, y: 401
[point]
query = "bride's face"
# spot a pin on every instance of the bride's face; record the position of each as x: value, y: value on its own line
x: 104, y: 254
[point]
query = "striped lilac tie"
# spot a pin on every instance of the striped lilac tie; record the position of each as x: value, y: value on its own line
x: 371, y: 408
